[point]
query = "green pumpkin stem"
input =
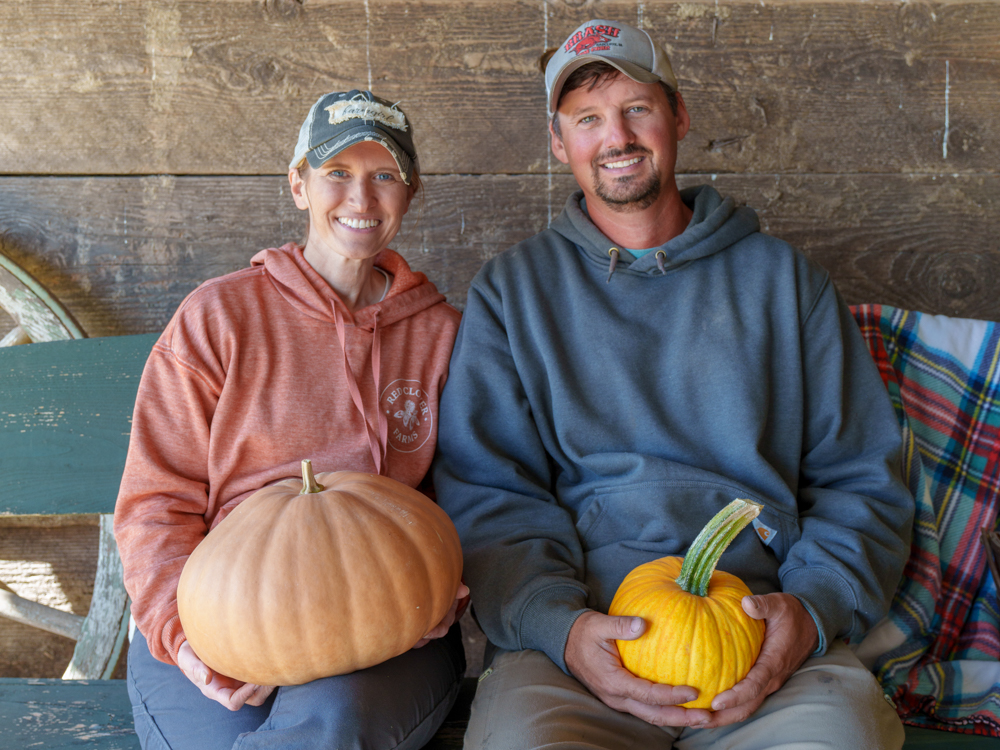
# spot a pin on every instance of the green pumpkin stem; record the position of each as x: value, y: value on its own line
x: 701, y: 559
x: 309, y: 484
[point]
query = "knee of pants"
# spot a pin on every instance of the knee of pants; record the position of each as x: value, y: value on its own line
x: 397, y: 704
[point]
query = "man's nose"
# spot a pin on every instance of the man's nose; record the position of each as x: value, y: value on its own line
x: 619, y: 133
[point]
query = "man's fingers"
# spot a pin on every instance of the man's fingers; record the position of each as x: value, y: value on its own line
x: 746, y: 690
x: 662, y: 716
x: 657, y: 694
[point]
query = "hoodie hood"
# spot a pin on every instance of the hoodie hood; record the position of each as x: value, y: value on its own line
x: 716, y: 223
x: 303, y: 288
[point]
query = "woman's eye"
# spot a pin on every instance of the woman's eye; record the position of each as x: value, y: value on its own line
x: 384, y: 177
x: 338, y: 173
x: 587, y: 120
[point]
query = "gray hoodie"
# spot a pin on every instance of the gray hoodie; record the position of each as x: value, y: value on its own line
x: 591, y: 425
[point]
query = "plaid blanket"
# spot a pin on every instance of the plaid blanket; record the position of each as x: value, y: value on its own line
x: 941, y: 639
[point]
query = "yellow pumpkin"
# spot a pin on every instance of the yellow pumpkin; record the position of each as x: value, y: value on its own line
x: 697, y: 633
x: 319, y: 577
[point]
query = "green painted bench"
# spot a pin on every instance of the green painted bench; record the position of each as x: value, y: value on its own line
x: 64, y: 429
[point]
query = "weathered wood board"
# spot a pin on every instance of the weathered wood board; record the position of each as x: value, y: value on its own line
x: 221, y: 86
x: 95, y: 714
x: 70, y: 425
x: 121, y: 253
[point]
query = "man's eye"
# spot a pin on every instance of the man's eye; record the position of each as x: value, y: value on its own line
x: 587, y: 120
x: 638, y: 109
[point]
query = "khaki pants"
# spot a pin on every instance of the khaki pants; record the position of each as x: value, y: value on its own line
x: 525, y: 701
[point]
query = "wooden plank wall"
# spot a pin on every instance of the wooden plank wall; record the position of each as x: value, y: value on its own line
x: 144, y: 143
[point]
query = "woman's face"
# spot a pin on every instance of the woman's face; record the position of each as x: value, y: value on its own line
x: 356, y: 201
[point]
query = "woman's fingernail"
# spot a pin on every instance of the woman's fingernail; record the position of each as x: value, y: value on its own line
x: 636, y: 625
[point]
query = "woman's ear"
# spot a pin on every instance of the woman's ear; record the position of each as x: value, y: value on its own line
x: 298, y: 187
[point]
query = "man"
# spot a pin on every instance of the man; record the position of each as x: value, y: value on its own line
x: 620, y: 377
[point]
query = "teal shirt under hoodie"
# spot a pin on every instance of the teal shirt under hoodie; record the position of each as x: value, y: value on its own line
x: 589, y: 426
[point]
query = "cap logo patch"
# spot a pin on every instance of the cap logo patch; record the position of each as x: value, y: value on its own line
x: 591, y: 39
x: 369, y: 111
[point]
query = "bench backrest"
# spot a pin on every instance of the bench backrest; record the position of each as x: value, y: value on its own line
x: 65, y: 417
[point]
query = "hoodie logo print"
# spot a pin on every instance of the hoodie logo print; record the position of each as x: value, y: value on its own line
x: 408, y: 414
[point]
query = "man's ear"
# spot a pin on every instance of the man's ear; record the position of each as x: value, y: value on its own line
x: 298, y: 187
x: 558, y: 149
x: 683, y: 118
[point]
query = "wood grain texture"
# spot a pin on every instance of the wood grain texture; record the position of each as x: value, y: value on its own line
x: 52, y: 564
x: 53, y: 715
x: 221, y: 86
x: 104, y: 629
x: 65, y: 423
x: 121, y: 253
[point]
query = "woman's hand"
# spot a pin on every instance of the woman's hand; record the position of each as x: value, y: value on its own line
x: 453, y: 615
x: 231, y: 693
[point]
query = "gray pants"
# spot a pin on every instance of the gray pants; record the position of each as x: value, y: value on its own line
x: 525, y: 701
x: 396, y: 705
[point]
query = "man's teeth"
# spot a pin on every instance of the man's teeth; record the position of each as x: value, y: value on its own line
x: 620, y: 164
x: 360, y: 223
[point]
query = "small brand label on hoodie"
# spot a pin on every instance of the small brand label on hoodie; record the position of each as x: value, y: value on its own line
x: 765, y: 532
x: 408, y: 413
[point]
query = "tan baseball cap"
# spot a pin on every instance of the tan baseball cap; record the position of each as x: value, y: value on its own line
x: 630, y: 50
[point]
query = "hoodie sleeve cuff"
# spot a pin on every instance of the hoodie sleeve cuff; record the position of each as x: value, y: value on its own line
x: 547, y: 619
x: 827, y: 598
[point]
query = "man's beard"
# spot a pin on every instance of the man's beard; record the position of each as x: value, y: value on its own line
x: 629, y: 193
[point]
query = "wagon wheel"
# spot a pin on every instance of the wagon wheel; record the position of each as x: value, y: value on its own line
x: 38, y: 314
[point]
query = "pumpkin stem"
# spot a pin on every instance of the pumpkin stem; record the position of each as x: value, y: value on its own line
x: 309, y: 484
x: 701, y: 559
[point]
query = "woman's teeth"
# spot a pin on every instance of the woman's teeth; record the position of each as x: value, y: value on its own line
x: 360, y: 223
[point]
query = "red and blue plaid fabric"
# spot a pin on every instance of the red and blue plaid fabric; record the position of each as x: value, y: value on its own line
x: 943, y: 375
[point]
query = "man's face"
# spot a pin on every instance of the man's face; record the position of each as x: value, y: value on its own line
x: 620, y: 140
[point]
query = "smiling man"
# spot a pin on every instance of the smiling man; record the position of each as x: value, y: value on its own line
x: 620, y: 377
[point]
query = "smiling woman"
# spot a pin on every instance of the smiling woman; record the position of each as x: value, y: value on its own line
x: 333, y: 350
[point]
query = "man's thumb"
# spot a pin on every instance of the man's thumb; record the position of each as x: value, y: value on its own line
x: 755, y: 606
x: 628, y: 628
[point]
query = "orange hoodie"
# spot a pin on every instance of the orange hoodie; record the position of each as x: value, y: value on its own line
x: 247, y: 380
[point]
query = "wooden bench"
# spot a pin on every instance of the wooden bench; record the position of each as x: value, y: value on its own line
x: 64, y: 430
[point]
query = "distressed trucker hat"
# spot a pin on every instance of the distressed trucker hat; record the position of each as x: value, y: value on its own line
x: 630, y: 50
x: 343, y: 118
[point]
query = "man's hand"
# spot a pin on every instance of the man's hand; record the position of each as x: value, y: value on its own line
x: 231, y: 693
x: 592, y: 657
x: 790, y: 637
x: 451, y: 617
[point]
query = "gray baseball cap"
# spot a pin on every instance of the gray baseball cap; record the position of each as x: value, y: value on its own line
x: 630, y: 50
x: 342, y: 118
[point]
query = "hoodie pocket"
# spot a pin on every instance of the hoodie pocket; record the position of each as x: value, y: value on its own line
x: 629, y: 525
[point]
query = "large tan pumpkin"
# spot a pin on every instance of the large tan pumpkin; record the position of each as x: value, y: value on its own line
x: 292, y: 587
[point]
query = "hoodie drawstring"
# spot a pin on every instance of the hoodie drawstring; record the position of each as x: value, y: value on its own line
x: 613, y: 252
x: 660, y: 257
x: 376, y: 442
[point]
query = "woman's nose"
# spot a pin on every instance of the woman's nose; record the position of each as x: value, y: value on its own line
x: 362, y: 197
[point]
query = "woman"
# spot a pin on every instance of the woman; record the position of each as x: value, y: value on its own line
x: 295, y: 357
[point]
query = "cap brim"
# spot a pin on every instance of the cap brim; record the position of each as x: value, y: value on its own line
x: 633, y: 71
x: 325, y: 151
